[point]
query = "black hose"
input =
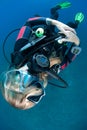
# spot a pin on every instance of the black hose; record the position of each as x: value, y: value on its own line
x: 5, y: 40
x: 56, y: 85
x: 56, y: 76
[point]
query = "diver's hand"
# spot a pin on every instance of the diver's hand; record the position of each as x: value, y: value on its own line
x: 70, y: 37
x: 69, y: 32
x: 61, y: 26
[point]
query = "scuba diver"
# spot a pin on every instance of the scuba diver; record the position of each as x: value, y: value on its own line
x: 44, y: 47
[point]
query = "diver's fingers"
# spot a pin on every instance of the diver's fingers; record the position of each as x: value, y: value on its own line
x: 76, y: 42
x: 63, y: 27
x: 60, y: 41
x: 67, y: 28
x: 72, y: 37
x: 60, y: 32
x: 67, y: 33
x: 64, y: 40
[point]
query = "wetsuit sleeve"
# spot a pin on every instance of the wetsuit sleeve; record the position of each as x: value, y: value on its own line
x: 67, y: 59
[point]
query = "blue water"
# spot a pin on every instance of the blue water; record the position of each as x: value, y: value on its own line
x: 60, y: 109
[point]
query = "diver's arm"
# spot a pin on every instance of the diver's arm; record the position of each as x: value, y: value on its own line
x: 71, y: 55
x: 67, y: 60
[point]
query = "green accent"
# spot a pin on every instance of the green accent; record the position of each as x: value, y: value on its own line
x: 79, y: 17
x: 65, y: 44
x: 39, y: 32
x: 65, y: 4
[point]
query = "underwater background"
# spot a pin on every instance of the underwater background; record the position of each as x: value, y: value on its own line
x: 60, y: 109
